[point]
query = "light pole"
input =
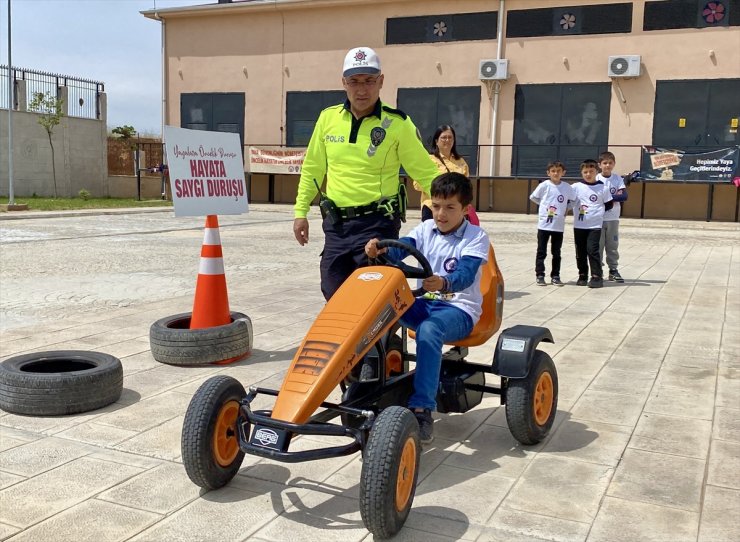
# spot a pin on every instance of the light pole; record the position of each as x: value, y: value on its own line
x: 11, y: 196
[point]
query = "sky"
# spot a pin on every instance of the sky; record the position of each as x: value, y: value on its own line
x: 102, y: 40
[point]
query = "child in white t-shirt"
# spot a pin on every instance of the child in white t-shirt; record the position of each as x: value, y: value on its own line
x: 610, y: 229
x: 552, y: 196
x: 592, y: 200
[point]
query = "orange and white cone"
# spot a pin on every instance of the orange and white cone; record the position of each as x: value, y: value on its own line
x: 211, y: 305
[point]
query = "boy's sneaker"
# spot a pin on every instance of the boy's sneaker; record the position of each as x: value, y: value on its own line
x: 426, y: 427
x: 596, y: 282
x: 582, y: 281
x: 541, y: 281
x: 615, y: 276
x: 556, y: 281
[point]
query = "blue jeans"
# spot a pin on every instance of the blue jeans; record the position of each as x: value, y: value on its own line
x: 435, y: 323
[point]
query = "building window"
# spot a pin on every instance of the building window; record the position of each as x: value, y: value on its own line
x: 566, y: 122
x: 691, y: 14
x: 569, y: 20
x: 457, y: 106
x: 302, y: 110
x: 436, y: 28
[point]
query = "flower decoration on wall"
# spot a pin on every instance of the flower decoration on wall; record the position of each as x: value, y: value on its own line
x: 567, y: 21
x: 713, y: 12
x: 440, y: 29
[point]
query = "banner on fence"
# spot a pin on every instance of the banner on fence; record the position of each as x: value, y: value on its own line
x: 720, y: 165
x: 206, y: 172
x: 285, y: 160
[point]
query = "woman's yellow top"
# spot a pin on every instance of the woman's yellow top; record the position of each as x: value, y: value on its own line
x: 458, y: 165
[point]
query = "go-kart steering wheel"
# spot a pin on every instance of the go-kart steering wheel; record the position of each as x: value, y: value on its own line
x: 409, y: 271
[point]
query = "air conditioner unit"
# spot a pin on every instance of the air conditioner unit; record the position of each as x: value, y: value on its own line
x: 494, y: 69
x: 624, y: 66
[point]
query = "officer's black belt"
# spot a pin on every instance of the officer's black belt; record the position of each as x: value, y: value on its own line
x: 348, y: 213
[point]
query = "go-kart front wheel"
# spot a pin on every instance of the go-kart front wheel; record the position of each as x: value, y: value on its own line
x: 531, y: 402
x: 210, y: 446
x: 389, y: 471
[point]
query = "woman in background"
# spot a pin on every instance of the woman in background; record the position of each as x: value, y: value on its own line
x: 445, y: 155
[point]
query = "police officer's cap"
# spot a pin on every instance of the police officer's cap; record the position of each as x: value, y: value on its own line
x: 361, y: 60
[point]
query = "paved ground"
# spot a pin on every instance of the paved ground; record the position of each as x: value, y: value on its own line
x: 647, y: 438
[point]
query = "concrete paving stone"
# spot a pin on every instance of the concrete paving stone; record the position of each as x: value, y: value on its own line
x: 687, y: 437
x: 123, y: 458
x: 81, y: 523
x: 589, y: 441
x: 681, y: 402
x: 155, y: 381
x: 631, y: 521
x: 162, y: 490
x: 560, y: 487
x: 35, y: 424
x: 6, y: 531
x: 529, y: 526
x: 724, y: 464
x: 455, y: 491
x: 407, y: 534
x: 657, y: 478
x: 8, y: 442
x: 623, y: 382
x: 459, y: 426
x: 315, y: 515
x: 728, y: 388
x: 720, y: 505
x: 429, y: 520
x: 7, y: 479
x: 128, y: 347
x: 136, y: 363
x: 42, y: 496
x: 162, y: 441
x: 97, y: 434
x: 227, y: 514
x: 42, y: 455
x: 492, y: 449
x: 635, y: 362
x: 608, y: 407
x: 726, y: 424
x: 147, y: 413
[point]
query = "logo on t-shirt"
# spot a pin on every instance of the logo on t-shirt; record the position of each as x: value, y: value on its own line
x: 450, y: 264
x: 593, y: 198
x: 561, y: 199
x: 613, y: 190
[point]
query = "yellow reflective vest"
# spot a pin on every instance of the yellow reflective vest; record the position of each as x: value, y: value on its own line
x: 361, y: 158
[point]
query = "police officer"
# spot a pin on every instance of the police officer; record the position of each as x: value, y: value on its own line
x: 360, y: 146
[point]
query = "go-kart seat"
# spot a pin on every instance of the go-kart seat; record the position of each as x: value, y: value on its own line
x: 492, y: 288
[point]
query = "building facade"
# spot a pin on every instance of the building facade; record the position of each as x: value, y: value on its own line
x: 522, y: 81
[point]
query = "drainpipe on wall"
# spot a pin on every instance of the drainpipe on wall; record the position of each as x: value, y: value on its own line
x: 164, y: 77
x: 494, y: 107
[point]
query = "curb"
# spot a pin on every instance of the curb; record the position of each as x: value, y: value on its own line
x: 24, y: 215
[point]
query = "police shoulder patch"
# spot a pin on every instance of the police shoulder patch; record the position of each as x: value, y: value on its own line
x: 395, y: 112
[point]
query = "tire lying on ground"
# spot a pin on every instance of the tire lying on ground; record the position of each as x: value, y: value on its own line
x: 172, y: 342
x: 59, y: 382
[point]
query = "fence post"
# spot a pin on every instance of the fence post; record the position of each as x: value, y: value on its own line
x: 138, y: 173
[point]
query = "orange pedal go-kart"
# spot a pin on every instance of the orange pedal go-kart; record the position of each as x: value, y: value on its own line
x: 353, y: 344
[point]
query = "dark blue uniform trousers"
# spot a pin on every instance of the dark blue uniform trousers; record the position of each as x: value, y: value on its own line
x: 344, y: 246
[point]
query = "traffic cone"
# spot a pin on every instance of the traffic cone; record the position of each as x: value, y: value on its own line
x: 211, y: 305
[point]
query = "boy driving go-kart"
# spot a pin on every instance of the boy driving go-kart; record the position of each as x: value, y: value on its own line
x: 356, y: 328
x: 451, y: 306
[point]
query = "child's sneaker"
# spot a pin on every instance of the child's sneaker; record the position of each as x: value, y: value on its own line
x: 615, y: 276
x: 596, y: 282
x: 556, y: 281
x: 541, y: 281
x: 426, y: 425
x: 582, y: 281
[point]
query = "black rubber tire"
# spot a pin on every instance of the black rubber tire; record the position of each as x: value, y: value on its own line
x: 520, y: 397
x: 198, y: 428
x: 172, y: 342
x: 59, y: 382
x: 380, y: 469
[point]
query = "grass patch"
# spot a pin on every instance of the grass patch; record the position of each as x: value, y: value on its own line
x: 67, y: 204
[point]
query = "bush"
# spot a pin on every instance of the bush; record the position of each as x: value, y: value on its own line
x: 83, y: 194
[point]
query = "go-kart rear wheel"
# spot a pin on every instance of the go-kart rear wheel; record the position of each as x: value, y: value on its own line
x: 531, y: 402
x: 210, y: 446
x: 389, y: 471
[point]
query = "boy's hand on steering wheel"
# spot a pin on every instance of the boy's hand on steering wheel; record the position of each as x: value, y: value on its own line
x: 433, y: 284
x: 372, y: 250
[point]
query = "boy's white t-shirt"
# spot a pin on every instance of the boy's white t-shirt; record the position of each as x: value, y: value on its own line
x: 553, y: 204
x: 614, y: 183
x: 588, y: 209
x: 444, y: 251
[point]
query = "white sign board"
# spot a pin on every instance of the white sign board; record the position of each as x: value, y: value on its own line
x: 206, y: 172
x: 284, y: 160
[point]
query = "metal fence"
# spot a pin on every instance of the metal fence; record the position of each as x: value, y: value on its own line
x: 82, y: 94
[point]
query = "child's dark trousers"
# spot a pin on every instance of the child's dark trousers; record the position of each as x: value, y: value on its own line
x: 587, y: 252
x: 556, y: 243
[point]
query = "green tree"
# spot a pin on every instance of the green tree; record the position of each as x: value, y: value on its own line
x: 125, y: 132
x: 50, y: 110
